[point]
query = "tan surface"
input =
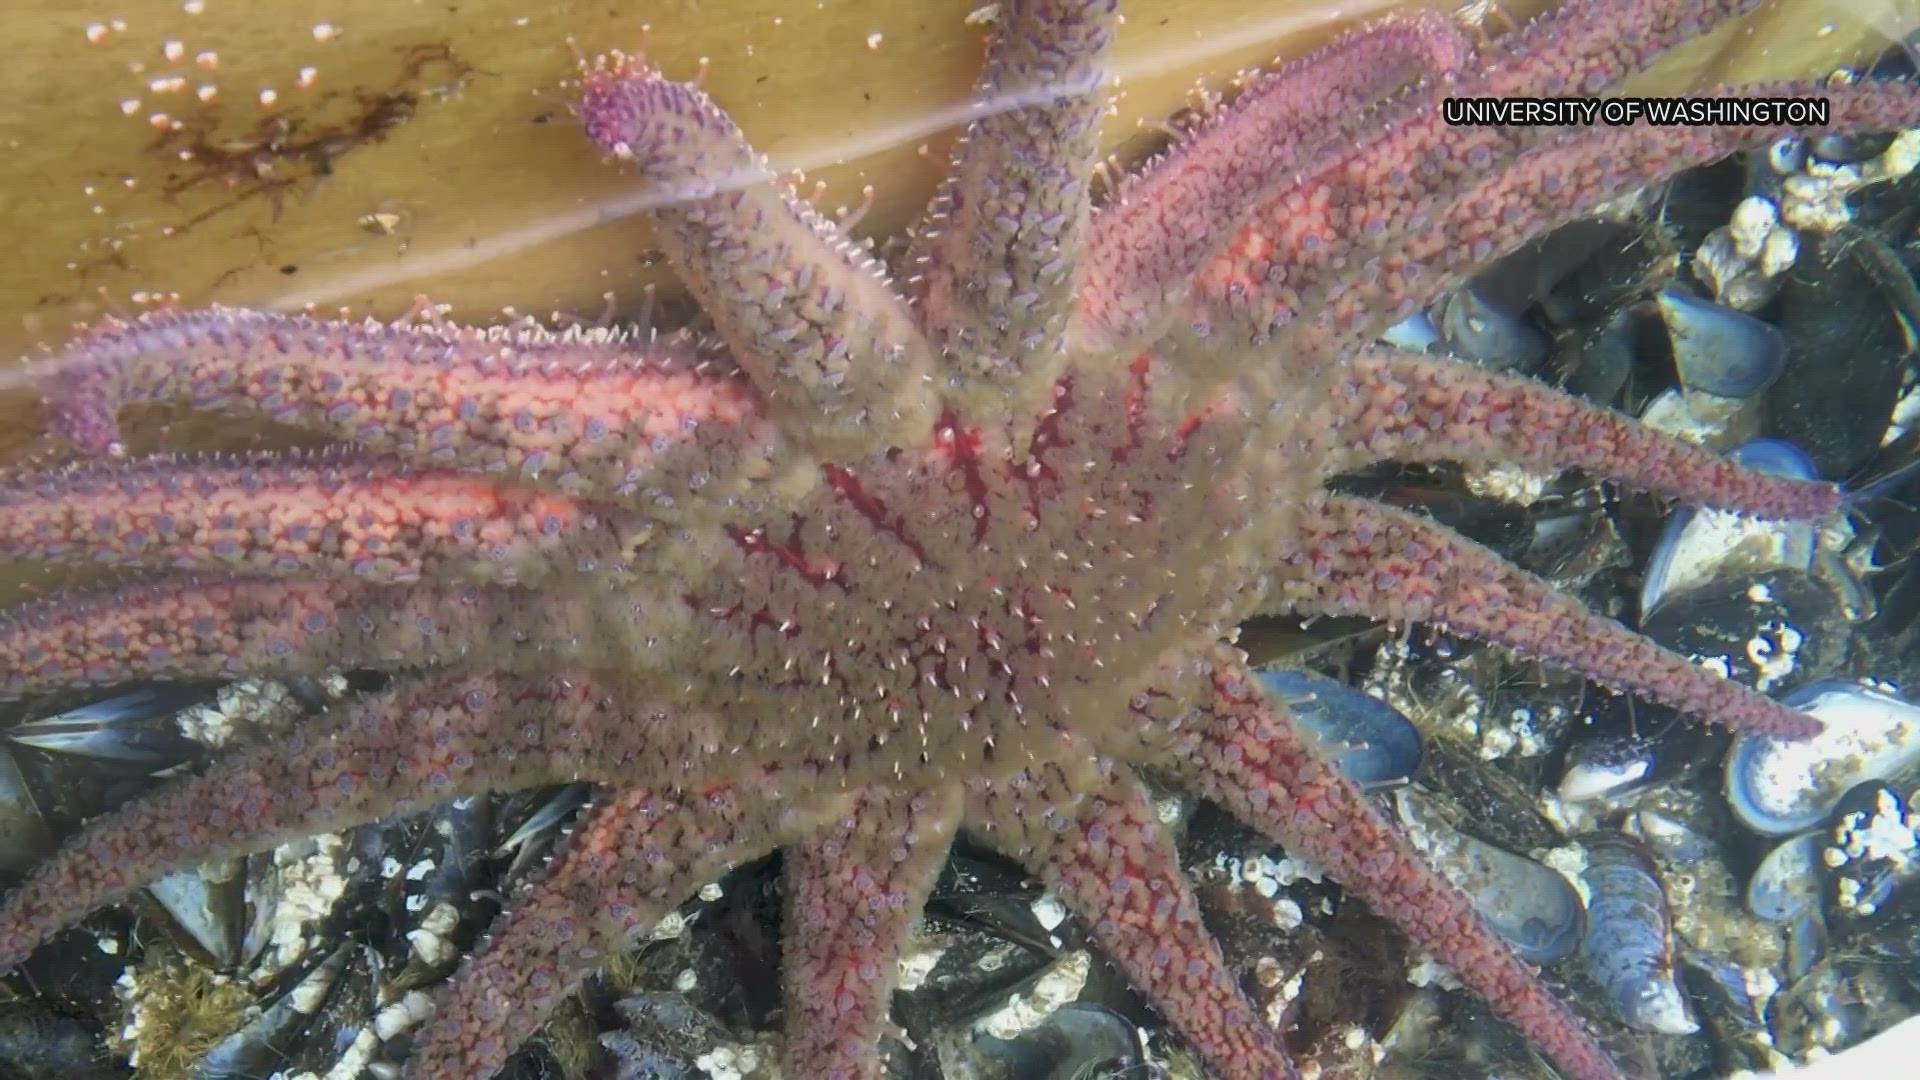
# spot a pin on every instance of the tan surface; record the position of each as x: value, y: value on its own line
x: 433, y: 151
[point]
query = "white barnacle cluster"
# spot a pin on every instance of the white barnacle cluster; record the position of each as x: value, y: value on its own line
x: 1424, y: 970
x: 1888, y: 832
x: 918, y: 962
x: 1801, y: 195
x: 246, y: 711
x: 1773, y: 649
x: 1740, y: 260
x: 309, y: 876
x: 362, y: 1056
x: 1269, y: 876
x: 1516, y: 484
x: 731, y: 1061
x: 432, y: 941
x: 1518, y: 733
x: 1059, y: 986
x: 1282, y: 985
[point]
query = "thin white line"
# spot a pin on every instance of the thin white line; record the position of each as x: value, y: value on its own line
x: 449, y: 258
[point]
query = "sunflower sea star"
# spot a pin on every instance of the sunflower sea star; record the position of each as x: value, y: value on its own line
x: 964, y: 551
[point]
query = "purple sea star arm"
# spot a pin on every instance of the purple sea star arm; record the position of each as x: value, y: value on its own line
x: 809, y: 315
x: 183, y: 627
x: 424, y: 743
x: 1147, y: 243
x: 1586, y: 46
x: 1411, y: 164
x: 998, y: 256
x: 636, y: 857
x: 1355, y: 557
x: 1252, y: 757
x: 1406, y: 407
x: 187, y: 628
x: 321, y: 514
x: 854, y: 893
x: 592, y: 412
x: 1565, y: 175
x: 1113, y: 863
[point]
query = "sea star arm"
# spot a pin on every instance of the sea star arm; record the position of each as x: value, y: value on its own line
x: 426, y: 742
x: 1248, y: 754
x: 1113, y: 863
x: 637, y: 855
x: 1305, y: 241
x: 854, y: 894
x: 809, y: 315
x: 594, y: 412
x: 181, y: 627
x: 998, y: 256
x: 1355, y: 557
x: 1148, y: 243
x: 1557, y: 179
x: 1587, y: 46
x: 321, y: 514
x: 1407, y: 407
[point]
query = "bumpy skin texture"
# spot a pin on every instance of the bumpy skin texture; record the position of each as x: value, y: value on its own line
x: 897, y: 559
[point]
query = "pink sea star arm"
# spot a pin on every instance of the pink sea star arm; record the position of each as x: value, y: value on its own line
x: 592, y: 412
x: 1561, y: 177
x: 1411, y: 164
x: 1354, y: 557
x: 181, y: 627
x: 854, y: 893
x: 187, y: 628
x: 329, y: 513
x: 1586, y: 46
x: 1149, y: 241
x: 998, y: 256
x: 809, y: 315
x: 1407, y: 407
x: 423, y: 743
x: 638, y: 854
x: 1252, y: 757
x: 1113, y: 863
